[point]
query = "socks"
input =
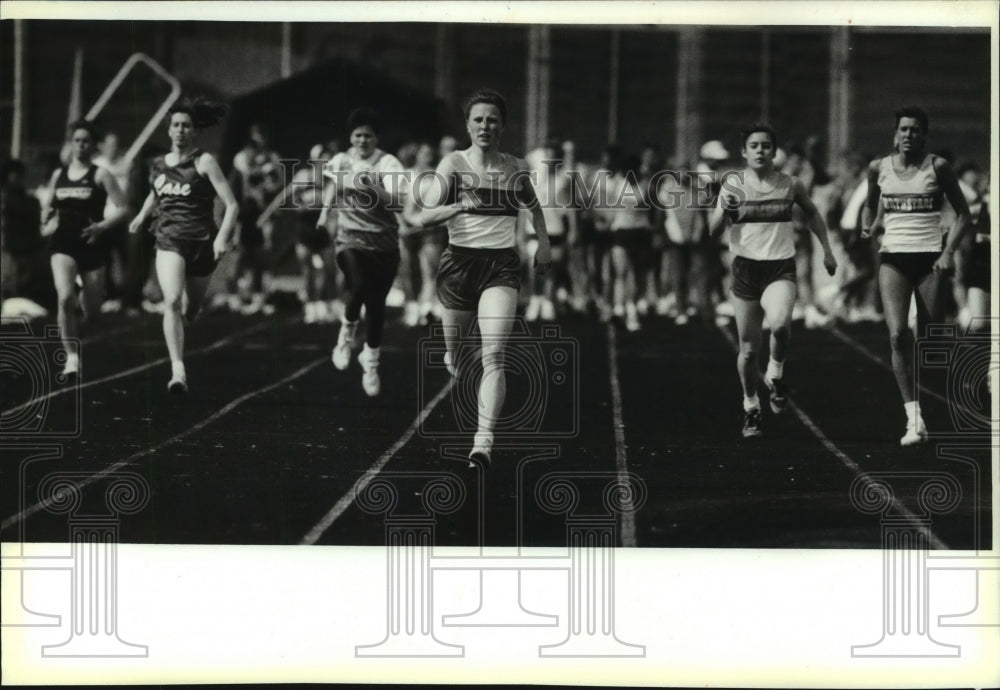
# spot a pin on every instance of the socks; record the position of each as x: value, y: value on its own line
x: 751, y: 403
x: 177, y: 369
x: 775, y: 370
x: 72, y: 363
x: 912, y: 411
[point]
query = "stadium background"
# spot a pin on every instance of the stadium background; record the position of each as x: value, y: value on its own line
x: 675, y: 86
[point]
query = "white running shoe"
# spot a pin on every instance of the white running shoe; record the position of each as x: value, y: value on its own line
x: 815, y: 318
x: 411, y: 314
x: 548, y: 312
x: 345, y: 344
x: 72, y: 367
x: 724, y: 308
x: 916, y: 433
x: 631, y: 318
x: 370, y: 381
x: 533, y: 309
x: 178, y: 384
x: 482, y: 451
x: 681, y: 319
x: 309, y: 315
x: 642, y: 306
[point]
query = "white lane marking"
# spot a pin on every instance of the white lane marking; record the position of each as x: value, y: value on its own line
x: 845, y: 458
x: 313, y: 535
x: 222, y: 412
x: 621, y: 458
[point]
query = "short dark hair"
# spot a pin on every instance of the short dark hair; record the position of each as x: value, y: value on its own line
x: 363, y: 117
x: 754, y: 129
x: 87, y: 126
x: 203, y: 112
x: 918, y: 114
x: 488, y: 96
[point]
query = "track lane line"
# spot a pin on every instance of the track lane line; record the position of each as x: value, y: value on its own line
x: 345, y: 502
x: 621, y: 456
x: 844, y: 458
x: 173, y: 440
x: 140, y: 368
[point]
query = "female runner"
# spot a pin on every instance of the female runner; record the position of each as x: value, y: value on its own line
x: 365, y: 189
x: 910, y: 186
x: 75, y: 227
x: 185, y: 183
x: 483, y: 189
x: 758, y: 204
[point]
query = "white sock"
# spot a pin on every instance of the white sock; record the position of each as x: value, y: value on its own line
x: 177, y: 368
x: 775, y: 370
x: 912, y: 410
x: 751, y: 403
x: 72, y: 362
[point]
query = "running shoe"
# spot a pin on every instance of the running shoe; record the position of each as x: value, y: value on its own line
x: 631, y: 318
x: 779, y: 400
x: 482, y: 449
x: 71, y: 370
x: 751, y: 423
x: 178, y: 384
x: 916, y: 433
x: 370, y: 381
x: 548, y: 310
x: 342, y: 350
x: 534, y: 308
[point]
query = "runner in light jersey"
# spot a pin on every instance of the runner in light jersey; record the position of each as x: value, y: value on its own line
x: 910, y: 186
x: 758, y: 206
x: 364, y: 188
x: 479, y: 191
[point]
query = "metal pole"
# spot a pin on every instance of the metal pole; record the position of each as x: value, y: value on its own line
x: 613, y: 86
x: 839, y: 130
x: 531, y: 95
x: 688, y: 134
x: 544, y: 81
x: 17, y: 126
x: 765, y: 76
x: 286, y: 50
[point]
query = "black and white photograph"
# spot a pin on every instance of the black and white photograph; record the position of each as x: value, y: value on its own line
x: 581, y: 344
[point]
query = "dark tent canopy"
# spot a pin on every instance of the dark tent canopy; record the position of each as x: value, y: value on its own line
x: 311, y: 107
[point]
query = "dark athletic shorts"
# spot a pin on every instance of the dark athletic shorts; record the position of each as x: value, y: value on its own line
x: 752, y: 276
x: 88, y: 257
x: 977, y: 268
x: 199, y: 258
x: 465, y: 273
x: 915, y: 266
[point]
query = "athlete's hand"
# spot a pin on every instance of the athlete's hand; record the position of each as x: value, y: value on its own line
x: 50, y: 226
x: 543, y: 257
x: 730, y: 201
x: 92, y: 232
x: 135, y: 225
x: 219, y: 247
x: 830, y: 263
x: 945, y: 263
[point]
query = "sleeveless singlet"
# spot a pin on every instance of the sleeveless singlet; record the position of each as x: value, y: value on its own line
x: 185, y: 199
x: 362, y: 224
x: 912, y: 208
x: 492, y: 225
x: 78, y: 202
x: 762, y: 224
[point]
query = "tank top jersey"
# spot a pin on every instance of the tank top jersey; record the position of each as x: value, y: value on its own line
x: 78, y: 202
x: 492, y: 225
x: 912, y: 208
x: 762, y: 224
x: 185, y: 199
x: 362, y: 224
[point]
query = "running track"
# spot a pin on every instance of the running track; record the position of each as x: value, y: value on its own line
x: 272, y: 445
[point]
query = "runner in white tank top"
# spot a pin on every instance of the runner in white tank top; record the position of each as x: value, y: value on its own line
x: 908, y: 187
x: 757, y: 203
x: 479, y: 192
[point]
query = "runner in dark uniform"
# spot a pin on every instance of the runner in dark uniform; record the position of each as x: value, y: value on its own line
x: 188, y: 244
x: 75, y: 227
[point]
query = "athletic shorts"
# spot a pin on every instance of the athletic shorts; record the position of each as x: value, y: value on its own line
x: 465, y: 273
x: 752, y: 276
x: 313, y: 238
x: 198, y: 255
x: 637, y: 243
x: 88, y: 257
x: 378, y: 267
x: 977, y: 267
x: 915, y: 266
